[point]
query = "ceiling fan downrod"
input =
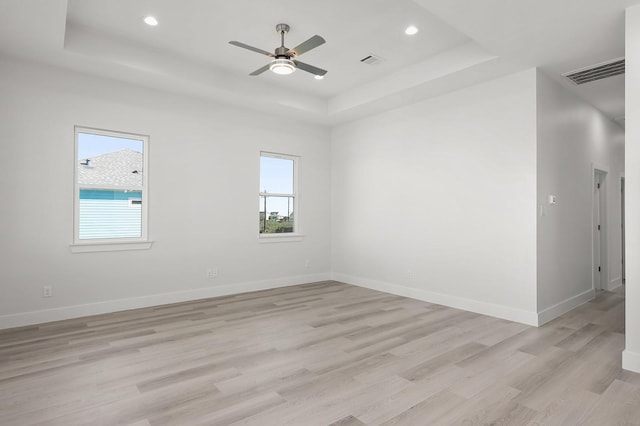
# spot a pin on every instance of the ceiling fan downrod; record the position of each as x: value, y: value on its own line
x: 282, y: 29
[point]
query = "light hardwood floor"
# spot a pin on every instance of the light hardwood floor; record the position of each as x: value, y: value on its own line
x: 319, y: 354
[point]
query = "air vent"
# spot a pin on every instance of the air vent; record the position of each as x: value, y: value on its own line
x: 371, y: 60
x: 596, y: 72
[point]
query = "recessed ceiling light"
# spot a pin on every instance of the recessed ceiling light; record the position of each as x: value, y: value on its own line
x: 318, y: 77
x: 411, y: 30
x: 151, y: 21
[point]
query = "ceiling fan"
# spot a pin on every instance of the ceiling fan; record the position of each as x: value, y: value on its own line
x: 285, y: 61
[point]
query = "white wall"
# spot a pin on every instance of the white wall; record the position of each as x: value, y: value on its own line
x: 203, y: 197
x: 446, y: 189
x: 435, y: 200
x: 631, y: 354
x: 572, y: 137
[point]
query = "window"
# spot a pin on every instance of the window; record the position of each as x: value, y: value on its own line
x: 110, y: 189
x: 278, y: 201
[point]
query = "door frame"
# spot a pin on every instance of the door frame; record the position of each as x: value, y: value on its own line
x: 623, y: 259
x: 600, y: 172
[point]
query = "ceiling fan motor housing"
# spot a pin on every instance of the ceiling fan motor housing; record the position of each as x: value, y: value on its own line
x: 281, y: 52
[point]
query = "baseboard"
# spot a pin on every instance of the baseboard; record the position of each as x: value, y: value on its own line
x: 631, y: 361
x: 76, y: 311
x: 615, y: 283
x: 565, y: 306
x: 498, y: 311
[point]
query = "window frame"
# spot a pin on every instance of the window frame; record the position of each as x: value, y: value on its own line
x: 111, y: 244
x: 296, y: 235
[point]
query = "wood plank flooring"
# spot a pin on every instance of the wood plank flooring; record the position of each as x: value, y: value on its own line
x: 319, y: 354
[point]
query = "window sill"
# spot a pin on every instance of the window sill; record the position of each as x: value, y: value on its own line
x: 119, y: 246
x: 279, y: 238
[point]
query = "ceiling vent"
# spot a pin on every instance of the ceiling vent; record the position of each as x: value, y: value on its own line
x: 596, y: 72
x: 371, y: 60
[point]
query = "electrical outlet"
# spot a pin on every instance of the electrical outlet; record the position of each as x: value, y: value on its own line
x: 47, y: 291
x: 307, y: 263
x: 212, y: 273
x: 409, y: 274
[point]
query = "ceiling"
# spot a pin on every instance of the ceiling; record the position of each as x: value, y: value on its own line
x: 459, y: 43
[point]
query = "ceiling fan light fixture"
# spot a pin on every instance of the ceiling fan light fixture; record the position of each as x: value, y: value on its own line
x: 282, y: 66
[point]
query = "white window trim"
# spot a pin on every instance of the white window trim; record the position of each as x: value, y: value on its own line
x: 280, y: 238
x: 110, y: 244
x: 296, y: 235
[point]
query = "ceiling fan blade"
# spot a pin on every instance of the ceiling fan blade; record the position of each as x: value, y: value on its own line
x: 254, y: 49
x: 306, y: 46
x: 309, y: 68
x: 260, y: 70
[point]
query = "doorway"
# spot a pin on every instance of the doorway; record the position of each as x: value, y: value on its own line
x: 599, y: 267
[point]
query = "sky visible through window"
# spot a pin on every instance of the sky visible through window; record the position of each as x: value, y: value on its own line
x: 276, y: 177
x: 90, y: 146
